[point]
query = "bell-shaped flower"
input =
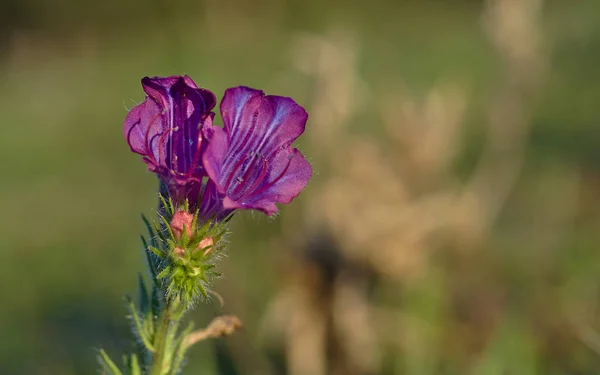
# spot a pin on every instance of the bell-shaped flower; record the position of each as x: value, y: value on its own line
x: 165, y: 130
x: 250, y: 159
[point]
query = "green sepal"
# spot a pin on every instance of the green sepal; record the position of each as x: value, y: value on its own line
x: 167, y: 225
x: 199, y: 254
x: 164, y: 273
x: 167, y: 205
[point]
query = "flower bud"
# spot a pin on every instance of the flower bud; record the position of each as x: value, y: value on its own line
x: 181, y: 221
x: 207, y: 243
x: 179, y: 252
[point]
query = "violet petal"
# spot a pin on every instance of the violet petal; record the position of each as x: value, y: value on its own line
x: 250, y: 159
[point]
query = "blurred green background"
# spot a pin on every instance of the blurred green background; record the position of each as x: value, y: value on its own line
x: 452, y: 225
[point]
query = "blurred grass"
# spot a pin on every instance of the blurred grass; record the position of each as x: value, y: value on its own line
x: 71, y: 191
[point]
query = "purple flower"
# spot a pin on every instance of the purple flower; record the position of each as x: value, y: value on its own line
x: 250, y: 160
x: 165, y: 130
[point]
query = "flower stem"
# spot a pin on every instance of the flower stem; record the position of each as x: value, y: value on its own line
x: 160, y: 342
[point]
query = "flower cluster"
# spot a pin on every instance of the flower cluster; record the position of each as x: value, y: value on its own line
x: 208, y: 171
x: 248, y: 163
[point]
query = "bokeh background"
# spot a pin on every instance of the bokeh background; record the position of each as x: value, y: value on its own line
x: 452, y: 225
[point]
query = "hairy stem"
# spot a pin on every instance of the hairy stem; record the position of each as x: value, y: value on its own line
x: 160, y: 341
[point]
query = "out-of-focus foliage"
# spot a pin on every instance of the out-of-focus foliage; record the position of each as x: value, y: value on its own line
x: 452, y: 226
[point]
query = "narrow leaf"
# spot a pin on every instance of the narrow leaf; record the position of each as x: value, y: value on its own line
x: 151, y: 232
x: 135, y: 365
x: 144, y: 297
x: 180, y: 349
x: 141, y: 332
x: 156, y: 251
x: 149, y: 259
x: 156, y: 299
x: 107, y: 364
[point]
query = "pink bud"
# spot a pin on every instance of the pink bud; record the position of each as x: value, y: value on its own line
x: 179, y: 252
x: 207, y: 242
x: 182, y: 220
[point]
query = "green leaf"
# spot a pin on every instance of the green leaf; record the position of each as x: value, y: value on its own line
x: 149, y: 260
x: 107, y: 364
x: 180, y: 349
x: 170, y: 339
x: 135, y: 365
x: 151, y: 232
x: 143, y: 293
x: 159, y: 253
x: 157, y: 301
x: 140, y: 330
